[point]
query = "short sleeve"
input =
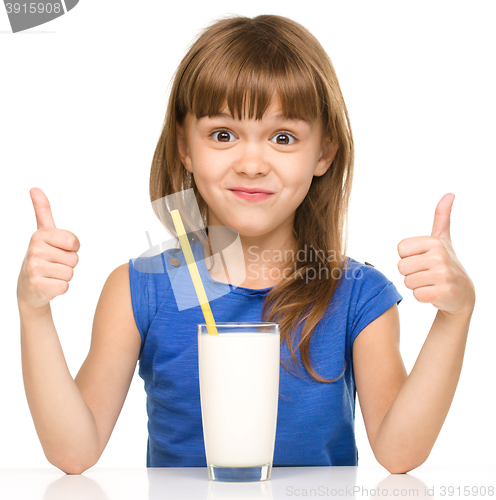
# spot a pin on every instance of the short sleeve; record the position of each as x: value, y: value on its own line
x: 373, y: 294
x: 140, y: 299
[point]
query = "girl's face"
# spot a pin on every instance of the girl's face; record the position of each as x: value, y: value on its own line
x: 233, y: 161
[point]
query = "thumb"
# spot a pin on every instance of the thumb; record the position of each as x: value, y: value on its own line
x: 42, y: 208
x: 441, y: 226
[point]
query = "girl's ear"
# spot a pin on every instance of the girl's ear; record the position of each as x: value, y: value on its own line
x: 329, y: 150
x: 183, y: 149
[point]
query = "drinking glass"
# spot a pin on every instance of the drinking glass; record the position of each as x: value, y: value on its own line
x: 239, y: 388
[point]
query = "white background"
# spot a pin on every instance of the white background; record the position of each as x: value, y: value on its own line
x: 82, y: 100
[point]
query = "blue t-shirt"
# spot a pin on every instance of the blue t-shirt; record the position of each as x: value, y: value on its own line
x: 315, y: 420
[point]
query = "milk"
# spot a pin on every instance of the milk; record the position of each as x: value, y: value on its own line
x: 239, y: 383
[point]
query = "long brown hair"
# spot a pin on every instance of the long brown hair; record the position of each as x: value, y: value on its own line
x: 243, y: 61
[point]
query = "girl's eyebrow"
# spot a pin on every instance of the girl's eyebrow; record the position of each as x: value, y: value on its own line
x: 279, y: 117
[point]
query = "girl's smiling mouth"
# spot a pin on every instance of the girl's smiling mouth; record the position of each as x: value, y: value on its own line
x: 251, y: 193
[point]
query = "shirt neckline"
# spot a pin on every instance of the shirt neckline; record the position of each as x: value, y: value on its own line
x: 216, y: 286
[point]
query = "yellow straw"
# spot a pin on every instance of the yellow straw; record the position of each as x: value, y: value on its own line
x: 193, y: 271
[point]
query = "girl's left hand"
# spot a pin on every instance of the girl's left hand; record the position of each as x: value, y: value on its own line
x: 431, y: 268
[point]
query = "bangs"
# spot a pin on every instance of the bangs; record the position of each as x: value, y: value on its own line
x: 247, y: 72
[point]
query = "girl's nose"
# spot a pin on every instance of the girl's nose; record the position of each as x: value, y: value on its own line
x: 252, y: 163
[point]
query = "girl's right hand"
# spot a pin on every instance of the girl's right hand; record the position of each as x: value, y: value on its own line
x: 50, y: 260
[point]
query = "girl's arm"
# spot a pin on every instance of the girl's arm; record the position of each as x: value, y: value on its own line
x: 74, y: 418
x: 64, y: 423
x: 403, y: 414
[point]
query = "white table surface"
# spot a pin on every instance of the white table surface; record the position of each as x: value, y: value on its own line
x: 343, y: 483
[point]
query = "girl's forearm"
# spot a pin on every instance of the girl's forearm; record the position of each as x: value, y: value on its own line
x: 63, y: 421
x: 412, y: 424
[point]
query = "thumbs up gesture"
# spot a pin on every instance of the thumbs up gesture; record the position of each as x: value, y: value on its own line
x: 431, y: 268
x: 50, y: 259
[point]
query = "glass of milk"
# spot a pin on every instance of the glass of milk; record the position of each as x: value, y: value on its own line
x: 239, y: 389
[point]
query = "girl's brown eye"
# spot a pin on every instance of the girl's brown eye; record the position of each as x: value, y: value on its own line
x: 222, y: 136
x: 283, y: 139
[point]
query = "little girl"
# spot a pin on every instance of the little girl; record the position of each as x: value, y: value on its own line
x: 257, y: 127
